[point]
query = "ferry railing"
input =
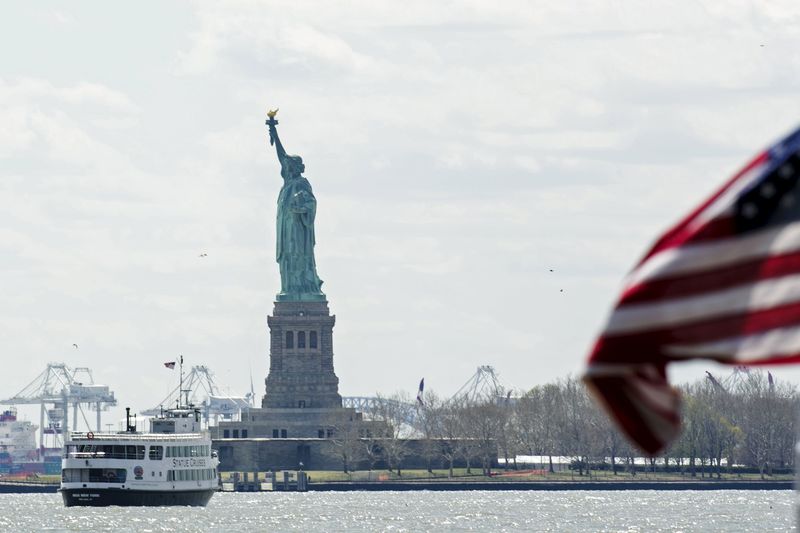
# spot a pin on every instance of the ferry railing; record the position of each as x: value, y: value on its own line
x: 167, y: 437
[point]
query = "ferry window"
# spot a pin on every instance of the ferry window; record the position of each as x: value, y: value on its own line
x: 312, y: 339
x: 283, y: 433
x: 185, y: 451
x: 289, y: 340
x: 321, y: 433
x: 130, y: 452
x: 235, y: 433
x: 226, y: 434
x: 244, y: 433
x: 301, y: 339
x: 274, y: 433
x: 301, y: 403
x: 94, y: 475
x: 170, y: 475
x: 330, y: 433
x: 156, y: 453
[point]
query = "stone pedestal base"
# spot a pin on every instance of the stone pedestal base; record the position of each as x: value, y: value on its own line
x: 287, y: 423
x: 301, y: 372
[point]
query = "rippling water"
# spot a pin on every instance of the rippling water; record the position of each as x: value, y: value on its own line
x: 629, y: 511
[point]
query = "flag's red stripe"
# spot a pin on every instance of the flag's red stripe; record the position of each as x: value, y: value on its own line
x: 683, y: 231
x: 616, y: 393
x: 694, y: 284
x: 717, y: 228
x: 648, y: 345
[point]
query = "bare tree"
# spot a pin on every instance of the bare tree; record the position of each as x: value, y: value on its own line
x: 395, y: 412
x: 345, y: 429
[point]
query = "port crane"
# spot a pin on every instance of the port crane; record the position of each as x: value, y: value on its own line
x: 198, y: 388
x: 55, y: 390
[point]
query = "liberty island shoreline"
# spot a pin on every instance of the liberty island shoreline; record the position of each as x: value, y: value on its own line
x: 460, y: 485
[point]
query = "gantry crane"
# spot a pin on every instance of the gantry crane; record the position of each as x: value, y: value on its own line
x: 58, y: 388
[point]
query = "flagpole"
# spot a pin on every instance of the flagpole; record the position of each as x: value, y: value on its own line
x: 180, y: 386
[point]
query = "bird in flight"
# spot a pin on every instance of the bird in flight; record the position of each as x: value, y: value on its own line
x: 75, y: 345
x: 551, y: 270
x: 203, y: 255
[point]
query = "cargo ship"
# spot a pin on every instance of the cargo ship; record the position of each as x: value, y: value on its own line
x: 18, y: 450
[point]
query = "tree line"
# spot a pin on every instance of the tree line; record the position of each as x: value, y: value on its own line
x: 748, y: 420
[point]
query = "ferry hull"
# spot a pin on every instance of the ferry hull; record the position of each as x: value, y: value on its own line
x: 124, y: 497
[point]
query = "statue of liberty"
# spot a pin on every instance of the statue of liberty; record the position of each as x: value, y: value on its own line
x: 297, y: 208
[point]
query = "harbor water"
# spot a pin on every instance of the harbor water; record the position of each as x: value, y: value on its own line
x: 628, y: 511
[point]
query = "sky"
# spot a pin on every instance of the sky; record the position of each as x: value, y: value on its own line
x: 486, y: 173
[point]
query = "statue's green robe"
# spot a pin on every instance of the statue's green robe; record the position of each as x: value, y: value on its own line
x: 295, y: 241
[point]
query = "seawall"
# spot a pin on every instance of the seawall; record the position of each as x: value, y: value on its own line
x: 10, y: 487
x: 552, y: 485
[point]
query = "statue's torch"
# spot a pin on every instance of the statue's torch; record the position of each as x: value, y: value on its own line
x: 271, y: 122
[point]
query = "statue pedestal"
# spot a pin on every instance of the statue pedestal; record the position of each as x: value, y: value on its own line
x: 301, y: 372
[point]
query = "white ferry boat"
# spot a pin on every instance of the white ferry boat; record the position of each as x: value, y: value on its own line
x: 173, y: 464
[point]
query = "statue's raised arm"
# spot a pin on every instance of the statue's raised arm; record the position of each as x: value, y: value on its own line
x: 273, y: 135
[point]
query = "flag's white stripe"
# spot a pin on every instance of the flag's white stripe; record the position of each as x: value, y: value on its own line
x: 695, y: 258
x: 661, y: 397
x: 751, y: 297
x: 779, y: 341
x: 660, y: 427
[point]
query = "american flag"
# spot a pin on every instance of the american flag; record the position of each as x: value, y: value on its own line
x: 723, y: 284
x: 419, y: 392
x: 170, y: 365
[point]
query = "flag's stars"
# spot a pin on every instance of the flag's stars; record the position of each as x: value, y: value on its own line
x: 749, y: 210
x: 767, y: 190
x: 786, y: 171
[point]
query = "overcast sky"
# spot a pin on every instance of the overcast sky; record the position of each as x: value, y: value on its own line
x: 459, y: 152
